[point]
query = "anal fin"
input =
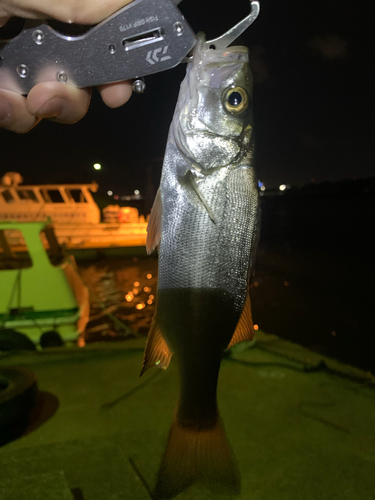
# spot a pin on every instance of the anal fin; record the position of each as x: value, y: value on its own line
x: 157, y: 353
x: 245, y: 326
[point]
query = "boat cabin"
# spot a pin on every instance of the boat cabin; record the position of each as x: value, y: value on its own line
x: 67, y: 203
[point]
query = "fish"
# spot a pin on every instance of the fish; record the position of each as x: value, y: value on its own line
x: 204, y: 221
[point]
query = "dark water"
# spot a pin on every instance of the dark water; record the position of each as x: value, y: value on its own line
x: 313, y: 283
x: 126, y: 288
x: 315, y: 270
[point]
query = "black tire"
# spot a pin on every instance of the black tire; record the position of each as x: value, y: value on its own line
x: 11, y: 340
x: 51, y: 339
x: 18, y: 392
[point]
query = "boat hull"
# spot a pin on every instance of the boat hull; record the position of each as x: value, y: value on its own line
x: 102, y: 235
x: 41, y: 289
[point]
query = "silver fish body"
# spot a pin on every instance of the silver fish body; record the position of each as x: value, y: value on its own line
x: 207, y: 214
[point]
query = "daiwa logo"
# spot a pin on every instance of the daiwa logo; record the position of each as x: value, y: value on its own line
x: 153, y: 55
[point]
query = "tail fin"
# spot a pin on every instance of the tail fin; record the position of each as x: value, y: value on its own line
x: 192, y: 456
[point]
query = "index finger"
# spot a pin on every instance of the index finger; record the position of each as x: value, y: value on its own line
x: 68, y: 11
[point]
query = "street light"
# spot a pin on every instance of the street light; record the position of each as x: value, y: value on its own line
x: 97, y: 166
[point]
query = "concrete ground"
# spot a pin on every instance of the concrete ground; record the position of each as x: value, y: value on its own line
x: 302, y: 427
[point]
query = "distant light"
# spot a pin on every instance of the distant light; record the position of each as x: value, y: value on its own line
x: 116, y: 197
x: 282, y: 187
x: 129, y: 297
x: 136, y: 283
x: 97, y: 166
x: 136, y: 191
x: 263, y: 188
x: 149, y: 302
x: 141, y: 305
x: 147, y: 289
x: 149, y: 276
x: 260, y: 184
x: 109, y: 192
x: 256, y: 327
x: 135, y: 291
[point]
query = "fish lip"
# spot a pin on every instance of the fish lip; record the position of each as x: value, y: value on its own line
x: 208, y: 133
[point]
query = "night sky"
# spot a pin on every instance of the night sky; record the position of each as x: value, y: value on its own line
x: 313, y: 104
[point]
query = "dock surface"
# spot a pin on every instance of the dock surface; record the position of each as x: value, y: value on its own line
x: 301, y: 425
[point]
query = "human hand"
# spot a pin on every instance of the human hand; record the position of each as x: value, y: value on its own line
x: 56, y: 101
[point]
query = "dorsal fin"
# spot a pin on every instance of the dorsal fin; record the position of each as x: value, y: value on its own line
x: 245, y: 327
x: 154, y: 224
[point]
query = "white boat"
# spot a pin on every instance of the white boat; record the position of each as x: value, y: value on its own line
x: 43, y: 300
x: 73, y: 212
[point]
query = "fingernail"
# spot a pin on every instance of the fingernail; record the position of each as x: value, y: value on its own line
x: 52, y: 108
x: 5, y: 109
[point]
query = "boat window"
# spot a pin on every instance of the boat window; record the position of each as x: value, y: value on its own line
x: 76, y: 195
x: 14, y: 253
x: 54, y: 250
x: 27, y: 194
x: 7, y: 195
x: 52, y: 196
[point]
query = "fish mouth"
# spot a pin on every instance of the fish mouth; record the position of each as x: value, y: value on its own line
x: 201, y: 48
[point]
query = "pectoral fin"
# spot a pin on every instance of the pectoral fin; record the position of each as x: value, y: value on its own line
x: 198, y: 192
x: 245, y: 327
x: 157, y: 353
x: 154, y: 224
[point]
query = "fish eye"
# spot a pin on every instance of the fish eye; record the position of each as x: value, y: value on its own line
x: 235, y: 100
